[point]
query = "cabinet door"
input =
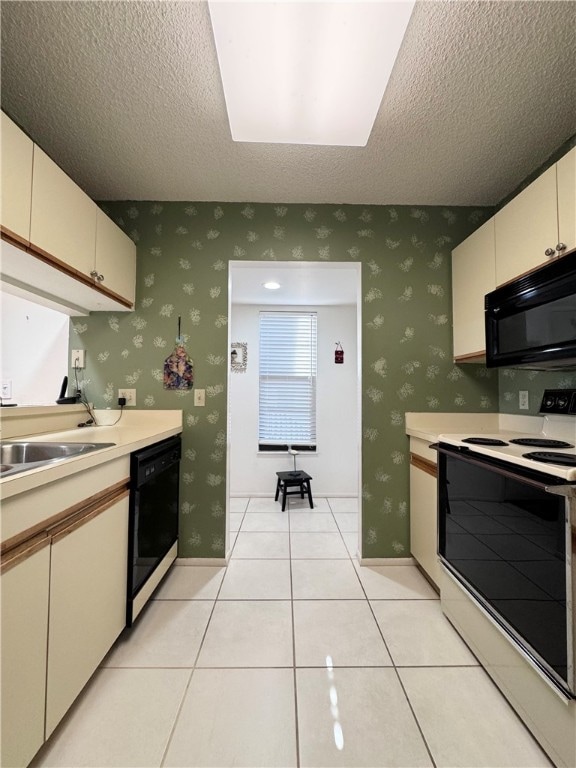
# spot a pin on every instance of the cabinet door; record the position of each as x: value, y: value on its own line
x: 526, y: 228
x: 16, y: 179
x: 115, y: 258
x: 63, y: 220
x: 87, y: 603
x: 566, y: 177
x: 24, y: 639
x: 473, y: 276
x: 424, y: 521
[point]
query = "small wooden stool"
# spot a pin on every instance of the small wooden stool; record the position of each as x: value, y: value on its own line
x: 288, y: 480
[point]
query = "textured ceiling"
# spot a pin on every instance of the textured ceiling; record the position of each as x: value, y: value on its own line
x: 126, y: 97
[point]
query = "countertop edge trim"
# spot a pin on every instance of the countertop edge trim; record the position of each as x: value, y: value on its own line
x: 51, y: 526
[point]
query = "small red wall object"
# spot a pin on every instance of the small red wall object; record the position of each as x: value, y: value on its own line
x: 339, y: 353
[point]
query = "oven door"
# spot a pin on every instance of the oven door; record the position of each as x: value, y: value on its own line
x: 505, y: 536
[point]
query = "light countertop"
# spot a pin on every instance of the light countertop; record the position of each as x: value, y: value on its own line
x: 428, y: 426
x: 135, y: 430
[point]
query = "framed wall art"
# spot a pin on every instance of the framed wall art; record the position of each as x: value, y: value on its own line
x: 239, y: 356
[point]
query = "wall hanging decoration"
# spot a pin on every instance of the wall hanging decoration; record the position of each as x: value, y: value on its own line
x: 239, y: 357
x: 339, y: 353
x: 178, y: 367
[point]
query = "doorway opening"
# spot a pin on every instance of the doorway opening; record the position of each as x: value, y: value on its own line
x: 333, y: 292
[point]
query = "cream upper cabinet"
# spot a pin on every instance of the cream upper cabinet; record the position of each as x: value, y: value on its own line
x: 527, y: 229
x: 115, y: 258
x: 66, y: 246
x: 473, y: 276
x: 566, y: 179
x: 25, y: 586
x: 87, y: 603
x: 17, y: 151
x: 63, y: 221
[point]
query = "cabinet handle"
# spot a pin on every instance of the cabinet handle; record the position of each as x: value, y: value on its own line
x: 99, y: 278
x: 550, y: 252
x: 561, y: 247
x: 94, y: 273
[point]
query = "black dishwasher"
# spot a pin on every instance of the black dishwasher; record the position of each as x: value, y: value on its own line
x: 153, y: 531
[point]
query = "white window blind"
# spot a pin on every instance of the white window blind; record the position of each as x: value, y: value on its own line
x: 288, y: 365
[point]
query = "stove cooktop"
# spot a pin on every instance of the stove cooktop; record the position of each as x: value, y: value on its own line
x: 552, y: 457
x: 556, y: 430
x: 484, y: 441
x: 540, y: 442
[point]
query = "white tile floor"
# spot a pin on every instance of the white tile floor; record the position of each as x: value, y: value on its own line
x: 293, y: 655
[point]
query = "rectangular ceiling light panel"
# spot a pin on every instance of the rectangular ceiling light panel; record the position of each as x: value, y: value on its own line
x: 306, y: 72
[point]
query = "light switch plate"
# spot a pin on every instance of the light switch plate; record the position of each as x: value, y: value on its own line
x: 7, y: 389
x: 523, y: 400
x: 200, y: 397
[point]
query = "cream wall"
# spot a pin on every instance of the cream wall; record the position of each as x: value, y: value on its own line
x: 334, y: 467
x: 34, y: 352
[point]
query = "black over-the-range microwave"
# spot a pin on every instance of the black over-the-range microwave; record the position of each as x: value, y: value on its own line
x: 531, y: 321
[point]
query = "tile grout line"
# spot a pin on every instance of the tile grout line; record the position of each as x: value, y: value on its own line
x: 193, y: 669
x: 425, y: 742
x: 294, y: 681
x: 395, y: 668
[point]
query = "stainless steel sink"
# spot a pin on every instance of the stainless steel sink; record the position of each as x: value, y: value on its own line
x: 19, y: 456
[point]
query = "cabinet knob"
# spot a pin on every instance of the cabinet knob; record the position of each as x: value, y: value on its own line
x: 561, y: 247
x: 94, y: 273
x: 550, y: 252
x: 99, y: 278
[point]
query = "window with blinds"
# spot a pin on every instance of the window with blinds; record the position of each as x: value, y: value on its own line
x: 288, y: 364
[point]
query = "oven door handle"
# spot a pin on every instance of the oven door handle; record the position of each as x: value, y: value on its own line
x: 472, y: 458
x: 562, y: 490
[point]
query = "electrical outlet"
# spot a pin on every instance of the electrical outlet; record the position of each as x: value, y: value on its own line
x: 77, y: 358
x: 129, y: 394
x: 200, y: 397
x: 7, y: 389
x: 523, y: 400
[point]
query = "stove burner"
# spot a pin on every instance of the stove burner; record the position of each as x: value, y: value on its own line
x: 540, y: 442
x: 552, y: 457
x: 483, y: 441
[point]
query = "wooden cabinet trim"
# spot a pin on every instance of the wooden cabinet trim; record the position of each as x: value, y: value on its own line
x: 529, y: 271
x: 24, y: 551
x: 472, y: 357
x: 53, y: 524
x: 62, y: 530
x: 61, y: 266
x: 13, y: 238
x: 424, y: 464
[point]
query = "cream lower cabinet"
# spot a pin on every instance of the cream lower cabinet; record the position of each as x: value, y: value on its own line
x: 25, y: 596
x: 424, y: 514
x: 473, y: 276
x: 87, y: 602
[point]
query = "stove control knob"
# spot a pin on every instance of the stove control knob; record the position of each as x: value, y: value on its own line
x: 549, y: 402
x: 562, y: 402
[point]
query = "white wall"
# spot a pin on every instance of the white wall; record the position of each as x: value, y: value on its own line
x: 334, y: 467
x: 34, y: 351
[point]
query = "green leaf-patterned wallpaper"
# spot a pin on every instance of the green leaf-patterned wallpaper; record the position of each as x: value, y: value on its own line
x: 183, y: 254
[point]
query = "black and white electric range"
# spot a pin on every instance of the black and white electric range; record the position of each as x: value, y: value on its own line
x: 507, y: 532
